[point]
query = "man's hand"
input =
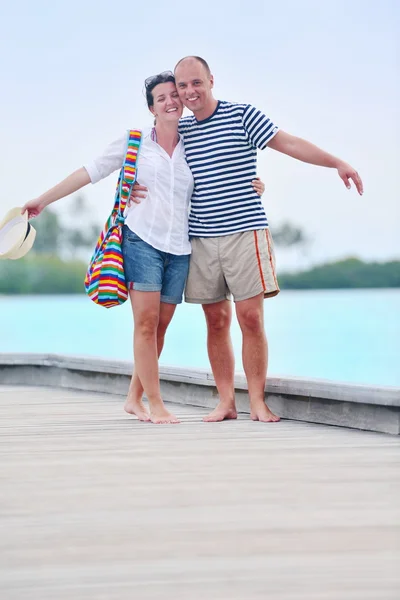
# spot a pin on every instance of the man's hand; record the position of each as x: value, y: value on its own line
x: 346, y: 172
x: 307, y: 152
x: 34, y: 208
x: 137, y: 193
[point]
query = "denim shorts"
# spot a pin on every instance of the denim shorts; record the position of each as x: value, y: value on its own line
x: 150, y: 270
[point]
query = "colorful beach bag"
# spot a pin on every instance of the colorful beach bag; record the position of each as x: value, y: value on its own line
x: 105, y: 279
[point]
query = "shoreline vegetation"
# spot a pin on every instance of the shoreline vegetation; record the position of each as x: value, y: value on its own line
x: 55, y: 265
x: 44, y: 274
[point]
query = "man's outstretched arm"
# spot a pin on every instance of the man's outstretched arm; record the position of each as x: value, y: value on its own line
x: 302, y: 150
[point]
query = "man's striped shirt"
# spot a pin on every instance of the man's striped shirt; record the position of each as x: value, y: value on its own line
x: 222, y: 154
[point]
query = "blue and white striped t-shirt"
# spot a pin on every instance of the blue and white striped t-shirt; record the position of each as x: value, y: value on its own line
x: 222, y: 154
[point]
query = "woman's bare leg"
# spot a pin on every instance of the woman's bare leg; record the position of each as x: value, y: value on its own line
x: 134, y: 404
x: 146, y: 313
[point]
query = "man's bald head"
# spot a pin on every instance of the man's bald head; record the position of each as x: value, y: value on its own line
x: 194, y: 83
x: 197, y: 59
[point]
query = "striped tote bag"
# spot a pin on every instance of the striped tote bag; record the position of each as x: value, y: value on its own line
x: 105, y: 279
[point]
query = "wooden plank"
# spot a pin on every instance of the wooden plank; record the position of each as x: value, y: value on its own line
x: 96, y: 505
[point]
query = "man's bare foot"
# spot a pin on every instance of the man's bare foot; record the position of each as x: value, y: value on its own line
x: 260, y: 412
x: 136, y: 407
x: 221, y: 413
x: 160, y: 415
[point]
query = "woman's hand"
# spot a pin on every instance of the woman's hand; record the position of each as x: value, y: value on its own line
x: 67, y: 186
x: 33, y: 207
x: 258, y: 186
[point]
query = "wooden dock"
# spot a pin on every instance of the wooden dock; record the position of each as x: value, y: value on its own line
x: 96, y: 505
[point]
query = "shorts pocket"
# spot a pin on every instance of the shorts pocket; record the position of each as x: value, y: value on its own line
x: 131, y: 236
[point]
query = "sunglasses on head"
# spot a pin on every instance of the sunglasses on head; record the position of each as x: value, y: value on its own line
x: 164, y: 75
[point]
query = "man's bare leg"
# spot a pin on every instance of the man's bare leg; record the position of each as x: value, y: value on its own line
x: 250, y: 314
x: 146, y: 309
x: 134, y: 403
x: 220, y: 353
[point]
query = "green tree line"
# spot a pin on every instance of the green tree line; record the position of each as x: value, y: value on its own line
x: 348, y: 273
x: 41, y: 274
x: 55, y: 265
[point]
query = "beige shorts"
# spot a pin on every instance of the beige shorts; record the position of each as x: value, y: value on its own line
x: 241, y: 264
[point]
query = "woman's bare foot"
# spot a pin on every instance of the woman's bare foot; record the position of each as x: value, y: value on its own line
x: 136, y: 407
x: 259, y: 411
x: 221, y: 413
x: 160, y: 415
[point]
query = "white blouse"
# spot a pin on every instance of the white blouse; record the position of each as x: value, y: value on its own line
x: 161, y: 219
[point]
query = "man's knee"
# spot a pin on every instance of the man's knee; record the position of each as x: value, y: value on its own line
x: 218, y: 317
x: 251, y: 319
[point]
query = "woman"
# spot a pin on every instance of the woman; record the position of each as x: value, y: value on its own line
x: 156, y: 247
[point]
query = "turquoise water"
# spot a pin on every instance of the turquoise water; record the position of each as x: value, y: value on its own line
x: 344, y: 335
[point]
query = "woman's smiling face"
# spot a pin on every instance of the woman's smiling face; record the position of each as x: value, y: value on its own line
x: 167, y: 106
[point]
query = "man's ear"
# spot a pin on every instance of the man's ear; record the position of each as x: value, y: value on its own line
x: 212, y: 80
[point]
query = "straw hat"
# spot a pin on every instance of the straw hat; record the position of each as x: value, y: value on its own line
x: 16, y: 234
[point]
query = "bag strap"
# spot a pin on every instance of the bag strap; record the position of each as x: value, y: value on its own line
x: 129, y: 169
x: 126, y: 179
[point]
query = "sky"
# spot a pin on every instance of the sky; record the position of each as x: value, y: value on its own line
x: 72, y: 78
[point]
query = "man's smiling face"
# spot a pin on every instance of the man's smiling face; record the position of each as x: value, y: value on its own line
x: 194, y: 85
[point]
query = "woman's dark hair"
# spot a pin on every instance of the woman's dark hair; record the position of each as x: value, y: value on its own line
x: 151, y: 82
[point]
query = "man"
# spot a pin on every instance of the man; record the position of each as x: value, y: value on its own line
x: 232, y: 250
